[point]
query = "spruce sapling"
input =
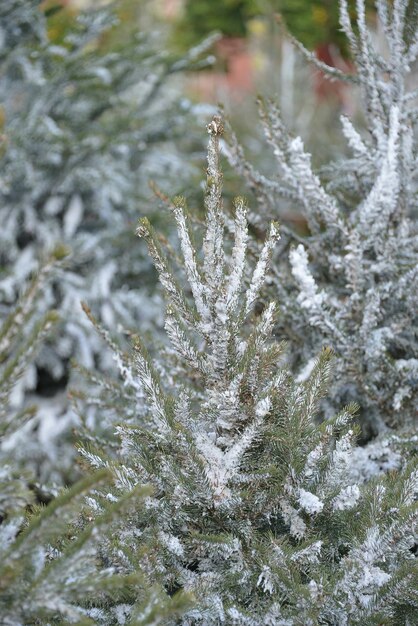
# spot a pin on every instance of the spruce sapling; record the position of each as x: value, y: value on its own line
x: 353, y: 282
x: 254, y: 509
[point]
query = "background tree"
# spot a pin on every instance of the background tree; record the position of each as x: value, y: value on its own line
x: 352, y: 282
x: 84, y: 107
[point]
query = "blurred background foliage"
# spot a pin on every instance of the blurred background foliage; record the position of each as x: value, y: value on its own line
x: 253, y: 55
x: 313, y: 22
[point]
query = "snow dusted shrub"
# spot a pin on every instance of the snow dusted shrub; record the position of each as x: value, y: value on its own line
x: 21, y: 554
x: 49, y: 567
x: 81, y: 119
x: 354, y: 282
x: 253, y: 511
x: 49, y: 555
x: 21, y: 333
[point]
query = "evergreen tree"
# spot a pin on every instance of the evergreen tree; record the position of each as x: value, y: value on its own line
x: 21, y: 333
x: 51, y: 570
x: 83, y: 110
x: 254, y: 510
x: 50, y: 567
x: 354, y: 282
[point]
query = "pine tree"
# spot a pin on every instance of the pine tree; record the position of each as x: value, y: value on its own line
x: 86, y: 120
x: 21, y: 334
x: 254, y: 511
x: 354, y: 281
x: 51, y: 570
x: 50, y: 566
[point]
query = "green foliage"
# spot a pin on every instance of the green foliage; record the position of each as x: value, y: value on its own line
x: 202, y: 18
x: 313, y: 22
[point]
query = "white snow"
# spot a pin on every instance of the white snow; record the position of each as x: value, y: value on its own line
x: 347, y: 498
x: 265, y: 580
x: 309, y: 296
x: 310, y: 502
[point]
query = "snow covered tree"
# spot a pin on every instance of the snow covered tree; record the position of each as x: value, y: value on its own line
x: 50, y: 567
x: 254, y: 511
x: 354, y: 282
x: 21, y: 334
x: 86, y: 119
